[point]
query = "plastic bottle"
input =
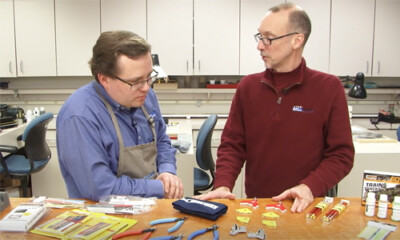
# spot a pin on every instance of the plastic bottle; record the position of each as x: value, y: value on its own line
x: 41, y: 110
x: 28, y: 116
x: 382, y: 206
x: 36, y: 112
x: 370, y: 205
x: 396, y: 209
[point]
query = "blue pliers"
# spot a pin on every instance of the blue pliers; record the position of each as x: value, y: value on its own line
x: 213, y: 228
x: 179, y: 237
x: 169, y: 220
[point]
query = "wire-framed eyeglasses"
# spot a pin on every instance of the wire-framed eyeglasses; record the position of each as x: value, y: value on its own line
x: 139, y: 84
x: 268, y: 41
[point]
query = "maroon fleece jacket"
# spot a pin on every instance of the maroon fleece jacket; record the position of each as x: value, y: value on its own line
x: 299, y: 134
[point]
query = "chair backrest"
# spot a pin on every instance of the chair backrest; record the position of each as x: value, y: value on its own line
x: 398, y: 134
x: 204, y: 156
x: 35, y: 138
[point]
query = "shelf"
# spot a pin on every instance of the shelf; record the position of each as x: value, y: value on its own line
x: 185, y: 93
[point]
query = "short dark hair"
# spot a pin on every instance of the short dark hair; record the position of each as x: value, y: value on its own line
x: 110, y: 45
x: 298, y: 19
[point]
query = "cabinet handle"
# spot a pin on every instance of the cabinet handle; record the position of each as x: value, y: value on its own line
x: 366, y: 71
x: 379, y: 67
x: 10, y: 67
x: 21, y: 66
x: 187, y: 66
x: 199, y: 67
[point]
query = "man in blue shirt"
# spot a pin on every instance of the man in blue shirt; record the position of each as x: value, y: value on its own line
x: 111, y: 137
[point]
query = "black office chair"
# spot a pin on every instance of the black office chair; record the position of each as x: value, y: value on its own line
x: 204, y: 158
x: 30, y: 158
x: 333, y: 191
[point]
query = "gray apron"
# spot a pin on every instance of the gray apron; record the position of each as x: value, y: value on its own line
x: 135, y: 161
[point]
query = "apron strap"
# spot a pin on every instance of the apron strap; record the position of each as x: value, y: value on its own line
x: 150, y: 119
x: 113, y: 118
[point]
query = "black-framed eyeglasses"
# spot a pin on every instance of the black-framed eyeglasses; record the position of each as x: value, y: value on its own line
x: 268, y: 41
x: 139, y: 84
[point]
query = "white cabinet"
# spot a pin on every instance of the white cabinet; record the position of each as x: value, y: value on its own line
x: 170, y: 33
x: 352, y: 29
x: 316, y: 51
x: 251, y: 15
x: 129, y: 15
x: 199, y: 37
x: 35, y: 38
x: 78, y: 27
x: 364, y: 37
x: 216, y: 37
x: 7, y: 39
x: 386, y: 61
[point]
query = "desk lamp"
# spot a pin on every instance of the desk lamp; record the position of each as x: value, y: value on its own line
x: 157, y: 67
x: 358, y: 89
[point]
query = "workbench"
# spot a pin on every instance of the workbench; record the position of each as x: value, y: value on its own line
x: 289, y: 225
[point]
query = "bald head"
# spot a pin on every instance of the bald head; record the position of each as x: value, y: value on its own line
x: 297, y: 18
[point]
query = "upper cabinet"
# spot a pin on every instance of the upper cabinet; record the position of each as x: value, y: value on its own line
x: 199, y: 37
x: 78, y: 27
x: 35, y: 38
x: 352, y: 33
x: 216, y: 37
x: 316, y: 50
x: 364, y: 37
x: 386, y: 61
x: 195, y: 37
x: 170, y: 33
x: 251, y: 15
x: 129, y: 15
x: 7, y: 39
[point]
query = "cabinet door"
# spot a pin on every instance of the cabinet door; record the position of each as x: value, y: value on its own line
x: 35, y: 38
x: 251, y: 15
x: 7, y: 39
x: 170, y: 33
x: 129, y: 15
x: 216, y: 37
x: 387, y: 38
x: 316, y: 50
x: 352, y: 28
x: 78, y: 27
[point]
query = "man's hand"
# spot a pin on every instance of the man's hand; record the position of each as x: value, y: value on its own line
x: 221, y: 192
x: 301, y: 194
x: 173, y: 187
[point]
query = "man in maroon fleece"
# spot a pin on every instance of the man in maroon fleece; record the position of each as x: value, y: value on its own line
x: 289, y: 124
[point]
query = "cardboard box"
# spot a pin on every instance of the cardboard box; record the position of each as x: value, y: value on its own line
x: 380, y: 183
x: 164, y: 86
x: 6, y: 182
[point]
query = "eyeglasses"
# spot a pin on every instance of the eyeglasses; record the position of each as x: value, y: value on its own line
x: 139, y: 84
x: 268, y: 41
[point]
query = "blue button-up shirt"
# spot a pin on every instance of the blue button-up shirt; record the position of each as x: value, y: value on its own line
x: 88, y: 148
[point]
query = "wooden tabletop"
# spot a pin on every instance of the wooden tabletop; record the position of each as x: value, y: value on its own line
x: 289, y: 226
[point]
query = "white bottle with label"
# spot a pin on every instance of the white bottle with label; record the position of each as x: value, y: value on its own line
x: 370, y: 205
x: 382, y: 206
x: 396, y: 209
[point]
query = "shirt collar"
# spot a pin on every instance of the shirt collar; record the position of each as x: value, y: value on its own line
x: 293, y: 77
x: 107, y: 97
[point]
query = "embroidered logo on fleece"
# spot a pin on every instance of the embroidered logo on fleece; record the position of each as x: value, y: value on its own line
x: 301, y: 109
